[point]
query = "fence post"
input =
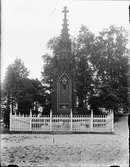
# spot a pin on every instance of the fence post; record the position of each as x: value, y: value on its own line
x: 91, y: 122
x: 71, y: 121
x: 30, y: 128
x: 50, y: 120
x: 10, y: 125
x: 16, y: 106
x: 15, y: 113
x: 112, y: 121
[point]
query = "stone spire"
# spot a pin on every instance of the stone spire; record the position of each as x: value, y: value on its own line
x: 65, y: 42
x: 64, y: 32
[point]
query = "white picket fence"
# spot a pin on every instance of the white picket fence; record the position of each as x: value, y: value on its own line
x: 66, y: 123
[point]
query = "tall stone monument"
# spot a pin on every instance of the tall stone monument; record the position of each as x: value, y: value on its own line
x: 63, y: 81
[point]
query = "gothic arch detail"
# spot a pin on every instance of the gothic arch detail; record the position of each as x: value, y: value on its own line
x: 64, y: 92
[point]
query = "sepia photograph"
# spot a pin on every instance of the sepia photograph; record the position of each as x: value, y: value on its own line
x: 65, y: 83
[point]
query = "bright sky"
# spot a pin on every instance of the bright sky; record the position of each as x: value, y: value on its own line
x: 27, y: 25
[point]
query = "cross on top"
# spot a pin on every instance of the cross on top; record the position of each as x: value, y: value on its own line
x: 65, y: 11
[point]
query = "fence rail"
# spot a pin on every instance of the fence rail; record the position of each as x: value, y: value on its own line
x: 72, y: 123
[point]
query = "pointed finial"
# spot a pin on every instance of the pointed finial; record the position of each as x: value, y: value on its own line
x: 65, y: 11
x: 65, y: 42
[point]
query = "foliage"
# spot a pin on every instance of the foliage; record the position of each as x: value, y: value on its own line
x: 12, y: 86
x: 84, y: 70
x: 110, y: 60
x: 101, y: 67
x: 15, y: 73
x: 31, y: 90
x: 21, y: 90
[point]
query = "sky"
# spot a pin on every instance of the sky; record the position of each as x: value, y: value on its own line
x: 27, y: 26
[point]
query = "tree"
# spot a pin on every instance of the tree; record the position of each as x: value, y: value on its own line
x: 107, y: 98
x: 50, y: 64
x: 101, y: 67
x: 12, y: 84
x: 31, y: 91
x: 110, y: 60
x: 15, y: 73
x: 84, y: 70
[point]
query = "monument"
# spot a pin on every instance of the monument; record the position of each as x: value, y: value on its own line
x: 63, y: 100
x: 63, y: 106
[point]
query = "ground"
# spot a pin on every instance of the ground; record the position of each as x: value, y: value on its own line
x: 67, y: 150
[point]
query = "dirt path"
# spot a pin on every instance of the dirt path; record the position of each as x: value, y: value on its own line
x: 67, y: 150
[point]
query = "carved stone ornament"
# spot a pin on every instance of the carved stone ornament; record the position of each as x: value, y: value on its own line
x: 64, y: 81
